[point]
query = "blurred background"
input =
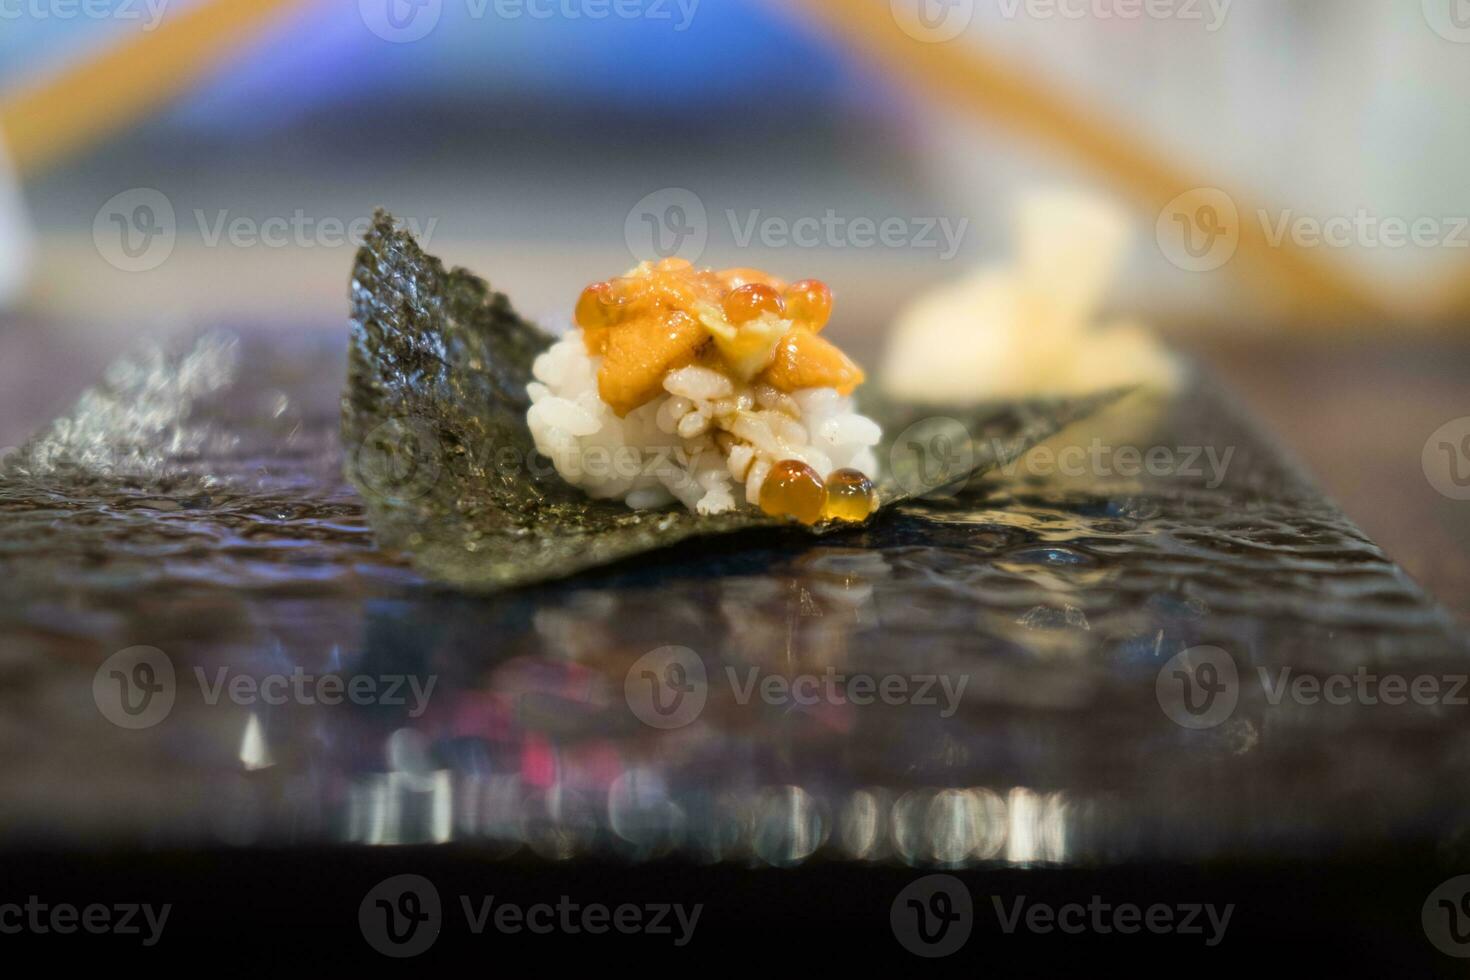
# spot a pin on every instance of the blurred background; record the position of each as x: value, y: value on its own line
x: 1295, y: 170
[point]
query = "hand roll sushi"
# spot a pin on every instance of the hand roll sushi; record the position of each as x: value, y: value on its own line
x: 711, y: 388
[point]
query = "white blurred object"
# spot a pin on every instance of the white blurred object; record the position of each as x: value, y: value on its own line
x: 1313, y: 110
x: 1030, y: 327
x: 15, y: 235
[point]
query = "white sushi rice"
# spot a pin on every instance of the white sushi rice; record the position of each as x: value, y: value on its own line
x: 707, y: 442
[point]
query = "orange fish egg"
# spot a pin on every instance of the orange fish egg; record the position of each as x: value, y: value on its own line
x: 740, y: 275
x: 596, y: 313
x: 744, y: 303
x: 850, y: 496
x: 809, y: 303
x: 592, y: 306
x: 793, y: 489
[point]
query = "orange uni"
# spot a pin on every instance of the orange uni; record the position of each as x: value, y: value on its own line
x: 743, y: 322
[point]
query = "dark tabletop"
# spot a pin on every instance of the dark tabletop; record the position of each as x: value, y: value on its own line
x: 1099, y: 661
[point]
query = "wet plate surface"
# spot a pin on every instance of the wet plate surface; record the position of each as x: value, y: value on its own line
x: 203, y: 644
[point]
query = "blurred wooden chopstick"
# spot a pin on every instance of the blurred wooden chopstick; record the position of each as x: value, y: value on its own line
x: 88, y: 102
x: 42, y: 123
x: 961, y: 72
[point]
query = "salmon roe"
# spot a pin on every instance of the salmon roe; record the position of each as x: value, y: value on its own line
x: 793, y: 489
x: 744, y: 303
x: 850, y: 496
x: 809, y: 303
x: 596, y: 306
x: 738, y: 276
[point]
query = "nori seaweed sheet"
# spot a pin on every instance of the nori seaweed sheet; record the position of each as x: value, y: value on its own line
x: 436, y: 442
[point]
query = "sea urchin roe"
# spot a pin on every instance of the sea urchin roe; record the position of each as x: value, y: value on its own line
x: 850, y: 496
x: 596, y: 313
x: 793, y: 489
x: 640, y: 354
x: 594, y: 306
x: 804, y: 360
x: 741, y: 322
